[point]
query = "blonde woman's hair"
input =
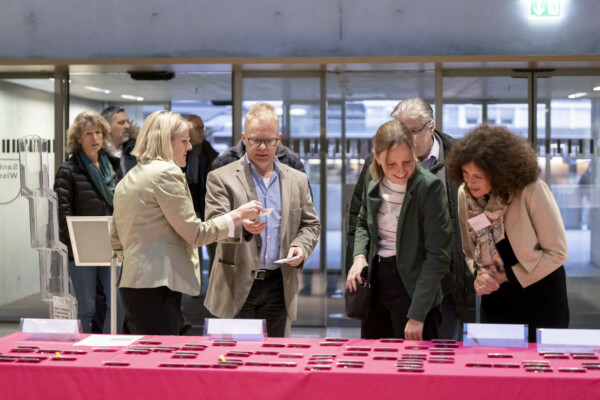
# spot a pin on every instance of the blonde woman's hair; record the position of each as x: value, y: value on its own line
x: 388, y: 136
x: 77, y: 127
x: 154, y: 140
x: 261, y: 112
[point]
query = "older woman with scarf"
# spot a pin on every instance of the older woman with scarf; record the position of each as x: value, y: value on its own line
x: 513, y: 235
x: 85, y: 185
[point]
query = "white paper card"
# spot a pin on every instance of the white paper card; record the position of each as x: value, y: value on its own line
x: 60, y: 308
x: 266, y: 212
x: 495, y: 335
x: 479, y: 222
x: 51, y: 329
x: 235, y: 329
x: 108, y: 340
x: 285, y: 260
x: 568, y: 340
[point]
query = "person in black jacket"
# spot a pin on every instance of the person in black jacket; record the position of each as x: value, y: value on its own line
x: 432, y: 147
x: 284, y: 154
x: 119, y: 143
x: 85, y: 185
x: 199, y: 164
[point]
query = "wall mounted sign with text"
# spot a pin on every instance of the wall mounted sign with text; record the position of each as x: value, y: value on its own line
x: 9, y: 180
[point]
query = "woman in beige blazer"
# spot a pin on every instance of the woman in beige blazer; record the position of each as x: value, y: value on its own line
x: 513, y: 235
x: 155, y: 229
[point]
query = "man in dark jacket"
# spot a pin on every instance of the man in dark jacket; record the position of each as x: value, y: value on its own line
x: 120, y: 145
x: 431, y: 147
x: 284, y: 154
x: 198, y: 165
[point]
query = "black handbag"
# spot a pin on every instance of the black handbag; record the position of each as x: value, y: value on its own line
x: 359, y: 301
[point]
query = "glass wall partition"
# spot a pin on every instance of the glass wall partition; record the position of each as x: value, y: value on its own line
x: 358, y: 103
x: 468, y: 101
x: 563, y: 126
x: 296, y: 97
x: 567, y: 140
x: 27, y: 109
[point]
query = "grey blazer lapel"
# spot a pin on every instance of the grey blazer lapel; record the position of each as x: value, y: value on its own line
x: 244, y: 176
x: 285, y: 185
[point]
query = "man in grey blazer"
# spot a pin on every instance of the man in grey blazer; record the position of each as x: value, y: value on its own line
x: 246, y: 280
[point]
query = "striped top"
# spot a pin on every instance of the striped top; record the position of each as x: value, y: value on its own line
x: 392, y: 197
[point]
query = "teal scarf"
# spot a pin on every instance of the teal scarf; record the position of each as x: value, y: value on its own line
x: 103, y: 178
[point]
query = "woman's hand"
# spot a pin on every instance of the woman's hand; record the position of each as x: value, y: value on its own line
x: 413, y: 330
x: 354, y: 277
x: 254, y: 227
x: 249, y: 210
x: 488, y: 281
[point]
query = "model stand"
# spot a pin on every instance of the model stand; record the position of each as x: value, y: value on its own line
x: 43, y: 222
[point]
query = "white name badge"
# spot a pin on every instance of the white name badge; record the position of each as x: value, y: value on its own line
x: 479, y: 222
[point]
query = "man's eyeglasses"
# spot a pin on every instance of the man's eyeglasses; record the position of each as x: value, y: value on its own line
x: 269, y: 142
x: 417, y: 131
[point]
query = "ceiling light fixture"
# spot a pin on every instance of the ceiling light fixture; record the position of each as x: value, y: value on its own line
x: 576, y: 95
x: 131, y: 97
x: 597, y: 88
x: 97, y: 89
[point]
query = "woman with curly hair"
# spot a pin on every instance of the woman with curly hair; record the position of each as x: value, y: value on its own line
x: 513, y: 236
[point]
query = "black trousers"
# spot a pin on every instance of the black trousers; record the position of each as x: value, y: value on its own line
x: 152, y: 311
x: 266, y: 301
x: 389, y: 305
x: 541, y: 305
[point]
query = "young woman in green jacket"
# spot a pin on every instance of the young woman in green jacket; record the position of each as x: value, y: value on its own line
x: 403, y: 237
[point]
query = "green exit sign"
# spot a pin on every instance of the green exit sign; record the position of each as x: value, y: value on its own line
x: 544, y: 9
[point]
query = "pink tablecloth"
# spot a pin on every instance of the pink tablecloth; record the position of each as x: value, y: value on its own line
x: 87, y: 377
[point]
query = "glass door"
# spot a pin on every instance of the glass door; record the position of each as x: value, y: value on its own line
x: 469, y: 101
x: 568, y: 120
x: 296, y: 97
x: 358, y: 102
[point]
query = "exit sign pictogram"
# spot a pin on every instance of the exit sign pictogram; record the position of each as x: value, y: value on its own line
x: 544, y: 8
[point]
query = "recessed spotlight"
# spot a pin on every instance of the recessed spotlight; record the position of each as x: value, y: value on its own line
x: 97, y: 89
x: 131, y: 97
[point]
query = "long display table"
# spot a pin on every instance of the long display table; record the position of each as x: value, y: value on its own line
x: 187, y: 367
